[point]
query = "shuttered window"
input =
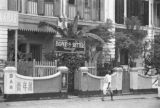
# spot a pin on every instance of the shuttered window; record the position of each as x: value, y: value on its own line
x: 119, y: 11
x: 15, y: 5
x: 40, y: 6
x: 32, y: 6
x: 49, y: 7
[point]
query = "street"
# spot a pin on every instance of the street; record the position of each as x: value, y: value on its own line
x: 131, y: 101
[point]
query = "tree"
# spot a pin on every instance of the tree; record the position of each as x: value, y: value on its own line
x: 152, y: 57
x: 95, y: 37
x: 131, y: 38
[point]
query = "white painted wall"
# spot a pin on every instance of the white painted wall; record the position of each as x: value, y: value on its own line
x: 3, y: 43
x: 3, y: 4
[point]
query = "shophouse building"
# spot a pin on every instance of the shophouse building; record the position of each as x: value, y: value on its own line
x: 20, y: 18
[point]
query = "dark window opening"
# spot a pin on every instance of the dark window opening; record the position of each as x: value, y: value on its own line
x: 71, y: 2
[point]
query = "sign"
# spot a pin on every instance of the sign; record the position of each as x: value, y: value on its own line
x: 8, y: 18
x: 10, y: 83
x: 24, y: 86
x: 70, y: 46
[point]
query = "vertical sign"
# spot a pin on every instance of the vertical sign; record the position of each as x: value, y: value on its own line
x: 9, y: 83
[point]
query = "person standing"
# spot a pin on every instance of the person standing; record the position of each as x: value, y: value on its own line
x: 107, y: 86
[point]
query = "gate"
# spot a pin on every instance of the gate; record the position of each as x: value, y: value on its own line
x: 125, y: 80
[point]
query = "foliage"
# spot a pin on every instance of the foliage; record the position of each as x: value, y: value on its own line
x: 152, y: 56
x: 93, y: 36
x: 131, y: 38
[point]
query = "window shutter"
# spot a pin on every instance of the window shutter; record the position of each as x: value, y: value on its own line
x: 12, y: 5
x: 40, y: 7
x: 56, y: 8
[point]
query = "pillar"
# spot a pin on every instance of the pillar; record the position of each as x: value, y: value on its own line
x: 151, y: 24
x: 125, y: 10
x: 109, y: 13
x: 64, y: 6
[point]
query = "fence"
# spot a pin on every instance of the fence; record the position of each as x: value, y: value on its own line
x: 44, y: 68
x: 35, y: 68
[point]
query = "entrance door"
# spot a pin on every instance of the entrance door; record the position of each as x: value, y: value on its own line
x: 124, y: 57
x: 36, y: 51
x: 125, y: 80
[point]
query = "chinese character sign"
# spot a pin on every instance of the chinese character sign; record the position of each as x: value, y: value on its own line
x: 24, y: 86
x: 9, y: 86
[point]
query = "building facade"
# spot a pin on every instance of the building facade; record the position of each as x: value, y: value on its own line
x: 22, y: 17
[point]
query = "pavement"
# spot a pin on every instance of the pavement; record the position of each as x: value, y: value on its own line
x: 107, y: 98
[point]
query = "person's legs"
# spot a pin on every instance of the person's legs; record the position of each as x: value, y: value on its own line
x: 111, y: 93
x: 104, y: 92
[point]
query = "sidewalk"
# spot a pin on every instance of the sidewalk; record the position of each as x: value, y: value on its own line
x: 76, y: 98
x: 120, y: 97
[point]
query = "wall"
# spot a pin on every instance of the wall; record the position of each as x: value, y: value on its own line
x: 3, y: 43
x: 138, y: 81
x: 85, y: 81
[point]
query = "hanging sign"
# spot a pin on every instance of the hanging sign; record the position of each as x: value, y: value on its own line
x: 70, y: 46
x: 8, y: 18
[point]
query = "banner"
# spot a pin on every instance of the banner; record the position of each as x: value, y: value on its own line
x: 70, y: 46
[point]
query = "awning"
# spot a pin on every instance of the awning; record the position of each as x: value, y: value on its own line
x: 30, y: 27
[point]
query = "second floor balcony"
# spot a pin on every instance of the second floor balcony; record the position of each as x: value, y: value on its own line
x: 90, y: 11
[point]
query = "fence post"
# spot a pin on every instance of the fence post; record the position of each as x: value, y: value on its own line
x: 34, y: 61
x: 9, y: 80
x: 64, y: 79
x: 159, y: 86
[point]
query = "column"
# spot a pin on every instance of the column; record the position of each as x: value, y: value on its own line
x: 106, y: 11
x: 110, y: 14
x: 125, y: 10
x: 61, y: 8
x: 64, y: 8
x: 16, y: 47
x: 3, y: 43
x: 150, y: 30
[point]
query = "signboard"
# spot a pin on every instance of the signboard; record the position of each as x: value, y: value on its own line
x: 70, y: 46
x: 24, y: 86
x: 8, y: 18
x: 9, y: 83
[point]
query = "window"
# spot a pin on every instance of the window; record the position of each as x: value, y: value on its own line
x: 71, y: 2
x: 86, y: 3
x: 49, y: 7
x: 35, y: 50
x: 15, y: 5
x: 32, y: 6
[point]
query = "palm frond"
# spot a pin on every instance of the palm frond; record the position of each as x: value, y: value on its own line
x: 55, y: 27
x: 75, y: 24
x: 94, y: 36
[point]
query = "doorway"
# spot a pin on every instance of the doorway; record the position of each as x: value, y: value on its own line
x: 126, y: 75
x: 124, y: 57
x: 35, y: 49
